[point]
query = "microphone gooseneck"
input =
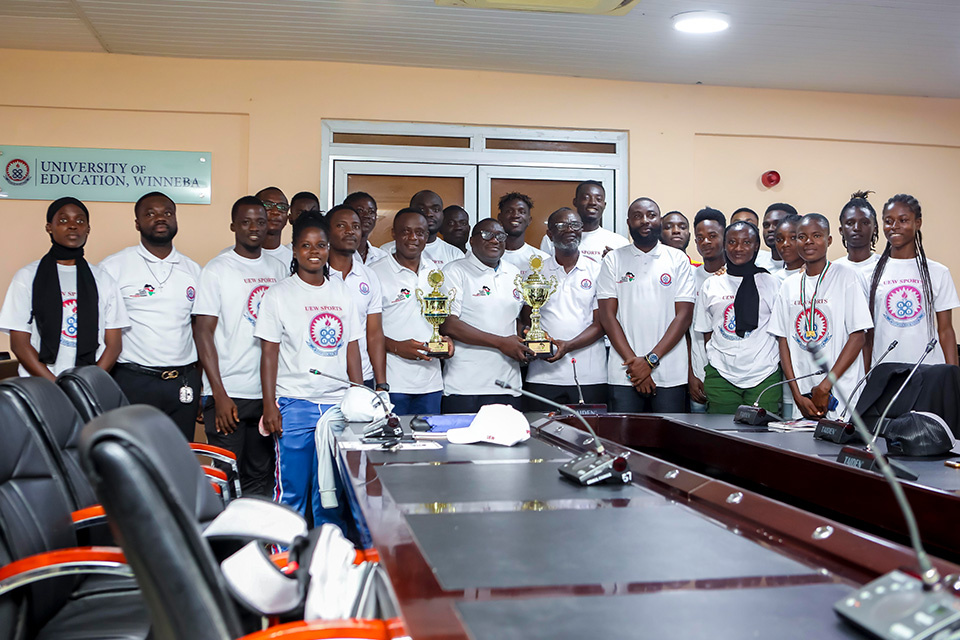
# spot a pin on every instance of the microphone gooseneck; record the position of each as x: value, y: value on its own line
x: 877, y: 427
x: 756, y: 402
x: 599, y: 447
x: 573, y: 361
x: 890, y: 347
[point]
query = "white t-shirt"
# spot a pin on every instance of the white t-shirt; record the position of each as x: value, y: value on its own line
x: 568, y: 312
x: 403, y: 320
x: 230, y: 290
x: 899, y: 311
x: 440, y: 252
x: 783, y: 274
x: 487, y: 300
x: 743, y: 362
x: 520, y: 258
x: 593, y: 244
x: 863, y: 268
x: 17, y: 311
x: 646, y: 285
x: 159, y: 296
x: 364, y: 287
x: 374, y: 255
x: 841, y: 309
x: 698, y: 352
x: 313, y: 326
x: 283, y: 254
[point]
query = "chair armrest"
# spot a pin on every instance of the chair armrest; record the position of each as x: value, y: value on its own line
x: 88, y: 517
x: 320, y: 629
x: 52, y: 564
x: 217, y: 453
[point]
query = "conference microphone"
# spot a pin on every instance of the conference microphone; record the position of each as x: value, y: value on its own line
x: 591, y: 467
x: 755, y: 415
x: 897, y: 605
x: 840, y: 431
x: 573, y: 362
x: 879, y: 426
x: 385, y: 428
x: 581, y: 406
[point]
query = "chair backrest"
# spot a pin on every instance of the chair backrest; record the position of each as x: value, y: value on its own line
x: 34, y: 515
x: 151, y: 486
x: 48, y: 410
x: 92, y: 391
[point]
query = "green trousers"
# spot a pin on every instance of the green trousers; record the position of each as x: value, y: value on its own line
x: 724, y: 397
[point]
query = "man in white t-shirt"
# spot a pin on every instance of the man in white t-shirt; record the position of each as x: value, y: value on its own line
x: 364, y: 288
x: 772, y: 218
x: 824, y: 306
x: 278, y: 210
x: 439, y: 252
x: 590, y: 201
x: 47, y: 334
x: 366, y: 207
x: 572, y: 320
x: 158, y: 284
x: 646, y: 295
x: 483, y: 325
x: 708, y: 227
x: 415, y: 379
x: 455, y: 228
x: 514, y: 215
x: 225, y: 314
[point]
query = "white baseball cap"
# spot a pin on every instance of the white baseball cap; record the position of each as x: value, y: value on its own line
x: 361, y: 405
x: 495, y: 423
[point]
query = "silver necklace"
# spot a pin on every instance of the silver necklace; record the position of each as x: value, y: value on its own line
x: 159, y: 282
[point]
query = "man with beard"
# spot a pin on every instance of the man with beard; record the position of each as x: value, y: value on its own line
x: 366, y: 207
x: 572, y: 321
x: 277, y: 213
x: 455, y: 228
x: 158, y: 362
x: 515, y: 217
x: 646, y: 295
x: 483, y: 325
x: 431, y: 206
x: 224, y: 316
x: 590, y: 201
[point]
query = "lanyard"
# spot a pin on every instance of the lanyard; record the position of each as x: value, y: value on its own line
x: 810, y: 312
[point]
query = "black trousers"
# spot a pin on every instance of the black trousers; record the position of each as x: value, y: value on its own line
x: 472, y: 404
x: 147, y: 388
x: 256, y: 457
x: 625, y: 399
x: 563, y: 394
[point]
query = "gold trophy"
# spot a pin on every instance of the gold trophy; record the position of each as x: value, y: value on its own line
x: 435, y: 307
x: 536, y: 290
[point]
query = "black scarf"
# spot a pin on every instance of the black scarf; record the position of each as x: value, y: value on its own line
x: 746, y: 305
x: 48, y: 306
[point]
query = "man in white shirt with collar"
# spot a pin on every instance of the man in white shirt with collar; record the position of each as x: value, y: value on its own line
x: 278, y: 210
x: 441, y: 253
x: 415, y: 379
x: 590, y: 201
x: 364, y: 287
x: 572, y: 320
x: 157, y: 365
x: 515, y: 217
x: 366, y: 207
x: 483, y: 325
x: 646, y: 295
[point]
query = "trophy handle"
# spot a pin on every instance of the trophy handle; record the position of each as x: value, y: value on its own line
x: 553, y: 285
x: 451, y: 295
x: 419, y: 296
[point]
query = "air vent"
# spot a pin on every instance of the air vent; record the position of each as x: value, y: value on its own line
x: 594, y: 7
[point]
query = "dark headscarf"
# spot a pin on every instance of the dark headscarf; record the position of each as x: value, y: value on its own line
x: 47, y: 301
x: 746, y: 304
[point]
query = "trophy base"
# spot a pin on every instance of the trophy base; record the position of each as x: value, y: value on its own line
x: 438, y: 350
x: 542, y: 348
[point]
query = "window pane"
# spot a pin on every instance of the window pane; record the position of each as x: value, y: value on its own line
x: 547, y: 196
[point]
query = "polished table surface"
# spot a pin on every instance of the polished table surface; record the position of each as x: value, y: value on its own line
x: 482, y: 541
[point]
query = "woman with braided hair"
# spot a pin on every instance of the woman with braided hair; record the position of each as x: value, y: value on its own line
x: 911, y: 298
x: 859, y: 231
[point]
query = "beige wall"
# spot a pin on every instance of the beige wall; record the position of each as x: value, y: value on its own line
x: 689, y: 145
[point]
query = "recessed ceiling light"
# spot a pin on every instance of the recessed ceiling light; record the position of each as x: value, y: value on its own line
x: 701, y: 21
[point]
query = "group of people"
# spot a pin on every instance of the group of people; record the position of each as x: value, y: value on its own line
x: 260, y: 340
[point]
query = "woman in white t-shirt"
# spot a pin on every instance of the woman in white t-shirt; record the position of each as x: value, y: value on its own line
x: 733, y: 311
x: 306, y: 323
x: 904, y: 288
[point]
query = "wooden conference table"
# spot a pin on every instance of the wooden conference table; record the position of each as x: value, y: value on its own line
x: 489, y: 542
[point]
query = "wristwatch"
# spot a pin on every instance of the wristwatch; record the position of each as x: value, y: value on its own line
x: 383, y: 386
x: 652, y: 359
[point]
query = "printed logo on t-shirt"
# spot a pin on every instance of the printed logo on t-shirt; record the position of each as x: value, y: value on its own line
x: 145, y: 292
x: 403, y: 295
x: 586, y: 283
x: 68, y: 334
x: 364, y: 288
x: 627, y: 277
x: 904, y: 306
x: 191, y: 293
x: 484, y: 291
x: 326, y: 333
x: 819, y: 333
x: 665, y: 279
x: 729, y: 327
x: 516, y: 294
x: 253, y: 303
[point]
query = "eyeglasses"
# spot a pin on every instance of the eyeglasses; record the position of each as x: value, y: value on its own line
x: 568, y: 226
x: 499, y: 236
x: 278, y: 206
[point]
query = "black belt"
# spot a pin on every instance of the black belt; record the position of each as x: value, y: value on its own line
x: 164, y: 373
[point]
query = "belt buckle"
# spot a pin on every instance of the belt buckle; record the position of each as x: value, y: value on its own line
x: 170, y: 374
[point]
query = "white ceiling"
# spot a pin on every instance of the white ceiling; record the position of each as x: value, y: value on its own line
x: 906, y: 47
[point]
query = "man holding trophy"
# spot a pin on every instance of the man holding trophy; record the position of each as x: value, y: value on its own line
x: 483, y: 324
x: 413, y: 356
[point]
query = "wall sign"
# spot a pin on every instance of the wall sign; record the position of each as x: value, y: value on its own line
x: 103, y: 175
